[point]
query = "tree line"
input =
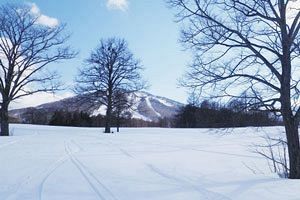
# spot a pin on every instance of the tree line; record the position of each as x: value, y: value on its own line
x: 82, y: 119
x: 62, y: 117
x: 207, y: 114
x: 213, y: 115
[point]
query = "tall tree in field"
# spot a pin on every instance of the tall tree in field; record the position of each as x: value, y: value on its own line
x: 27, y: 46
x: 110, y: 72
x: 249, y: 46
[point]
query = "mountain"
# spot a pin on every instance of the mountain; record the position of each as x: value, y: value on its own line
x: 146, y: 106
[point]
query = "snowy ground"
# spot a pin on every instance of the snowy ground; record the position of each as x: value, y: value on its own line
x: 57, y: 163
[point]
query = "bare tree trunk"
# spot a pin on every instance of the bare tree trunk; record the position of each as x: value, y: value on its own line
x: 108, y: 117
x: 291, y: 130
x: 290, y: 122
x: 4, y: 120
x: 107, y: 121
x: 118, y: 123
x: 292, y: 134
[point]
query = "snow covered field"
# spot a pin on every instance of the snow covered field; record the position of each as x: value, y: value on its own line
x: 57, y: 163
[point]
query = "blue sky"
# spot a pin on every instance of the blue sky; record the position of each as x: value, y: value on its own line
x: 147, y: 25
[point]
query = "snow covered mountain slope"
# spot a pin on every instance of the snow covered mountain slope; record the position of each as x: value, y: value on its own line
x: 146, y: 106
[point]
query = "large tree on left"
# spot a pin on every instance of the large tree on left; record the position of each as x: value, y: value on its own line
x: 27, y: 46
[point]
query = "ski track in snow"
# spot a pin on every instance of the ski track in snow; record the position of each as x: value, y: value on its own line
x: 40, y: 179
x: 153, y: 164
x: 37, y: 181
x: 99, y: 188
x: 50, y: 171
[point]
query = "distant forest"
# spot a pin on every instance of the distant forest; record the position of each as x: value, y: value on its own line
x: 206, y: 114
x: 213, y: 115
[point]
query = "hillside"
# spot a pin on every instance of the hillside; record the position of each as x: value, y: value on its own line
x: 146, y: 107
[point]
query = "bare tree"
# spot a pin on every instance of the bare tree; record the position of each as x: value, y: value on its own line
x: 110, y: 72
x: 247, y: 46
x: 26, y: 48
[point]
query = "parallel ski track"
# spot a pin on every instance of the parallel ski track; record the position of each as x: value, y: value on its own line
x: 97, y: 186
x: 38, y: 180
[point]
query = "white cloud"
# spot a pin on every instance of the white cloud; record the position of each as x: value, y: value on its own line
x: 117, y: 4
x: 43, y: 19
